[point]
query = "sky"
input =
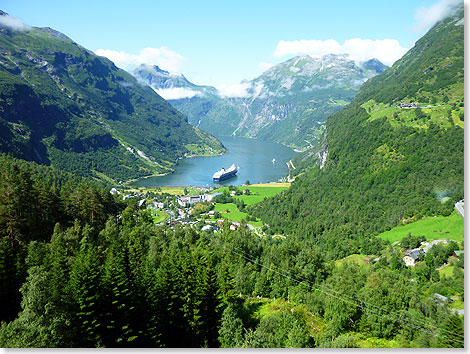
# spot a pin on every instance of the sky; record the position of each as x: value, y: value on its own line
x: 221, y: 43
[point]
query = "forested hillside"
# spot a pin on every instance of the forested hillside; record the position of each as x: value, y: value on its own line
x: 62, y: 105
x: 395, y: 154
x: 111, y: 278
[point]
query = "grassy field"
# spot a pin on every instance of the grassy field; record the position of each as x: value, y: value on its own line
x: 450, y: 227
x: 159, y: 215
x: 233, y: 213
x: 457, y: 304
x: 397, y: 116
x: 258, y: 193
x: 272, y: 185
x: 447, y: 271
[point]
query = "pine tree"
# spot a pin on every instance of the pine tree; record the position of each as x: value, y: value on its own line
x: 230, y: 332
x: 12, y: 275
x: 17, y: 201
x: 86, y: 292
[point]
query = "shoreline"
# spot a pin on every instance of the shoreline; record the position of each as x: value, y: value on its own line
x: 191, y: 156
x: 129, y: 182
x: 201, y: 182
x: 265, y: 184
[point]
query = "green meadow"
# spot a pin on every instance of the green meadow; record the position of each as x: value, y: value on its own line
x: 257, y: 194
x: 450, y: 227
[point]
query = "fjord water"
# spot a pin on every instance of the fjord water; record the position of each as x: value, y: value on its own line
x: 253, y: 156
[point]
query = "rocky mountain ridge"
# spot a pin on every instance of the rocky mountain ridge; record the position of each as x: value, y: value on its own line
x: 287, y: 103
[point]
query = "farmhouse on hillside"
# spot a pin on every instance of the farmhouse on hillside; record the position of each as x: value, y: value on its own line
x: 411, y: 256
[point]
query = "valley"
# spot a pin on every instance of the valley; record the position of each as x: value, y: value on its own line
x: 342, y: 222
x: 287, y: 104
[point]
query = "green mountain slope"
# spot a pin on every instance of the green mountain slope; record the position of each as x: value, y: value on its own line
x: 382, y: 163
x: 287, y: 104
x: 62, y: 105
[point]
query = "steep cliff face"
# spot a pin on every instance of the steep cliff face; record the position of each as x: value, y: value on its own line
x: 60, y: 104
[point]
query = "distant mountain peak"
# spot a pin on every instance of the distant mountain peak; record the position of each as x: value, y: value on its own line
x: 374, y: 64
x: 155, y: 69
x: 287, y: 103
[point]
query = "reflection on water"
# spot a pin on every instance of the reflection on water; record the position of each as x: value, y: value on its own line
x: 259, y: 162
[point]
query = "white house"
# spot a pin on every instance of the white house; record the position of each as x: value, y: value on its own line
x: 411, y: 256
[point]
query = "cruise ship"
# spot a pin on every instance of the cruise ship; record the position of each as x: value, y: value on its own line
x: 224, y: 174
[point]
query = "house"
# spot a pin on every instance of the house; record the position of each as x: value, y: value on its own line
x: 182, y: 201
x: 408, y: 105
x: 141, y: 203
x: 440, y: 299
x: 411, y: 256
x: 187, y: 200
x: 211, y: 197
x: 234, y: 226
x: 114, y: 191
x: 220, y: 222
x: 211, y: 213
x: 207, y: 228
x: 233, y: 194
x: 458, y: 253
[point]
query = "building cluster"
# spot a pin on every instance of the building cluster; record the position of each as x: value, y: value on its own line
x: 408, y: 105
x: 411, y: 256
x: 188, y: 200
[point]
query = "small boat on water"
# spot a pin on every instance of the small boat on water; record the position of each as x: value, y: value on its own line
x: 225, y: 174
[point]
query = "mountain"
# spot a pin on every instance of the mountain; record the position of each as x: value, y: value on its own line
x: 170, y: 85
x: 287, y: 104
x: 62, y: 105
x: 392, y: 156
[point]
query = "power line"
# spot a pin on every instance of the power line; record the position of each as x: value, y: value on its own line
x: 318, y: 287
x: 249, y: 258
x: 379, y: 308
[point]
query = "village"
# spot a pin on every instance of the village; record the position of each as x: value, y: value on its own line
x: 195, y: 210
x: 196, y: 207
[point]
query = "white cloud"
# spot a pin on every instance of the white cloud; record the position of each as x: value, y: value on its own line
x: 13, y: 23
x: 163, y: 57
x: 176, y: 93
x: 426, y: 17
x: 263, y: 66
x: 237, y: 90
x: 386, y: 50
